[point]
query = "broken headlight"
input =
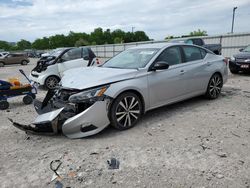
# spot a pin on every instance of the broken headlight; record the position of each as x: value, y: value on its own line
x: 93, y: 94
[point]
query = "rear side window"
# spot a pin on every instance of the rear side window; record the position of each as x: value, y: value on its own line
x: 171, y: 55
x: 197, y: 42
x: 192, y: 53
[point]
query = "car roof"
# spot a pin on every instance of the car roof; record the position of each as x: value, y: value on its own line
x: 160, y: 45
x: 153, y: 45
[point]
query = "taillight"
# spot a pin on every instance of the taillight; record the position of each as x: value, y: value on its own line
x: 226, y: 61
x: 97, y: 61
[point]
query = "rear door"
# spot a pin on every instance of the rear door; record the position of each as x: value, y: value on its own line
x: 11, y: 59
x: 196, y: 69
x: 71, y: 59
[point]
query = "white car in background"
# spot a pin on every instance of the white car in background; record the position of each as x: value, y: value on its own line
x: 49, y: 69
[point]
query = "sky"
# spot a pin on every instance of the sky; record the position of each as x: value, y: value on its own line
x: 32, y: 19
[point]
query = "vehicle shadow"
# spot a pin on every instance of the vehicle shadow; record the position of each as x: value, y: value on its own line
x: 161, y: 113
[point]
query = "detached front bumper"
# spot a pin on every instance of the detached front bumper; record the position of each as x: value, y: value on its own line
x: 89, y: 122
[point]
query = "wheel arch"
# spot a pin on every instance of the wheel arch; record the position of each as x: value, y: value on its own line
x: 49, y: 77
x: 135, y: 92
x: 219, y: 73
x: 53, y: 75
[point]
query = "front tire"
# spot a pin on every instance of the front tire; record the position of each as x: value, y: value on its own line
x: 125, y: 111
x: 1, y: 64
x: 214, y: 86
x: 51, y: 82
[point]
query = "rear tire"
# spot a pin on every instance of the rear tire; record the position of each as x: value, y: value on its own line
x: 1, y: 64
x: 4, y: 105
x: 233, y: 71
x: 51, y: 82
x: 214, y: 86
x: 27, y: 99
x: 24, y: 62
x: 125, y: 111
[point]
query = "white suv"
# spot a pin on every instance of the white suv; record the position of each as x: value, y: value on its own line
x: 49, y: 69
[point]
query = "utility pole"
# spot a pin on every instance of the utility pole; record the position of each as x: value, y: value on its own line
x: 133, y: 29
x: 232, y: 30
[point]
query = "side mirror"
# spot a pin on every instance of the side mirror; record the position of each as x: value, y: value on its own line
x: 161, y: 65
x: 86, y: 58
x: 241, y: 49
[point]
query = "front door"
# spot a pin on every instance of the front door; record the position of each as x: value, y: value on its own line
x: 166, y: 86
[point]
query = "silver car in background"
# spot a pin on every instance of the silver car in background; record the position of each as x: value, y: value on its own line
x: 120, y: 91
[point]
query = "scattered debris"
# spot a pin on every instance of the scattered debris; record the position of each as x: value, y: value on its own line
x: 222, y: 155
x: 204, y: 147
x: 94, y: 153
x: 59, y: 184
x: 217, y: 175
x: 54, y: 166
x: 150, y: 134
x: 72, y: 174
x: 113, y: 163
x: 235, y: 134
x: 241, y: 162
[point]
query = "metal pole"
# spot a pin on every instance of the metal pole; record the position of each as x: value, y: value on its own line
x: 133, y: 29
x: 232, y: 30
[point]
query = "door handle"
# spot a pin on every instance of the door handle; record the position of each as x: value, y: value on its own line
x: 182, y: 72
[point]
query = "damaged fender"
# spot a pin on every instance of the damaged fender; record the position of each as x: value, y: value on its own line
x: 89, y: 122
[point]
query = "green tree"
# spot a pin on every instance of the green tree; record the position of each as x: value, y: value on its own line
x: 81, y: 42
x: 97, y: 36
x: 198, y: 33
x: 107, y: 37
x: 5, y: 45
x: 23, y: 44
x: 141, y: 36
x: 118, y: 40
x: 118, y: 36
x: 41, y: 44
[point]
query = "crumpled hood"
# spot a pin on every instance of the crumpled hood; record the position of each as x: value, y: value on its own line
x: 87, y: 77
x: 243, y: 55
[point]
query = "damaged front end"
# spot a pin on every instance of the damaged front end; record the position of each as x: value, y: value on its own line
x: 72, y: 112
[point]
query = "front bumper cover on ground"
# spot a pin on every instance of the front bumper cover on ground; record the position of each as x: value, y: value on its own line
x: 89, y: 122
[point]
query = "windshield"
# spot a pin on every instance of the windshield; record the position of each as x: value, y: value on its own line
x: 56, y: 53
x: 131, y: 59
x: 247, y: 49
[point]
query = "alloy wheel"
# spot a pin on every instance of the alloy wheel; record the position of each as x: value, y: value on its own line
x: 215, y: 86
x: 51, y: 82
x: 128, y: 111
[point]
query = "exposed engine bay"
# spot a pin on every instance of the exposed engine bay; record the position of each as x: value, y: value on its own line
x: 44, y: 62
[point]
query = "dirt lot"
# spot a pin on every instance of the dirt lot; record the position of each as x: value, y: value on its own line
x: 196, y: 143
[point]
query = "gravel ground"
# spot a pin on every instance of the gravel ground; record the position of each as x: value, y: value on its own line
x: 195, y: 143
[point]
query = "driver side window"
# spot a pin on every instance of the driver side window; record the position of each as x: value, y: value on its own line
x: 171, y: 55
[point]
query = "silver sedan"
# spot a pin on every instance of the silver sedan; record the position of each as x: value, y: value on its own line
x: 121, y: 90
